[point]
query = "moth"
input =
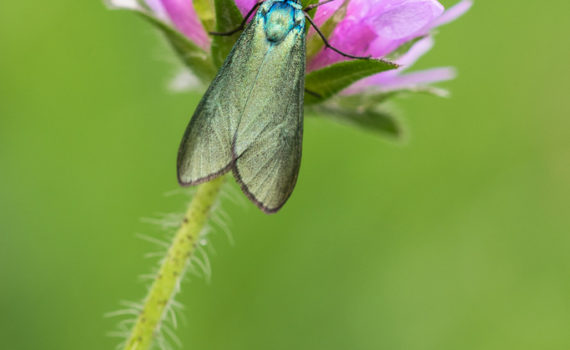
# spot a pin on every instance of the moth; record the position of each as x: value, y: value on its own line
x: 250, y: 120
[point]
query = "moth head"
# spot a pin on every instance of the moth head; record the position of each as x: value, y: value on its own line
x: 279, y: 21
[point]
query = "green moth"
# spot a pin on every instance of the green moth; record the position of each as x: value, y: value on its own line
x: 250, y: 120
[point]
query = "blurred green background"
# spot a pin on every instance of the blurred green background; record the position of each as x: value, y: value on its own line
x: 458, y: 239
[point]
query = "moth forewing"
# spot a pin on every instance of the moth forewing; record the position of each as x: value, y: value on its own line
x: 251, y: 117
x: 206, y: 148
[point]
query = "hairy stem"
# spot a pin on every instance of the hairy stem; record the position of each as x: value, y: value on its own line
x: 173, y: 266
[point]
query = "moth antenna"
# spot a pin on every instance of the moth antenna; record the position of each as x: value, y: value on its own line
x: 243, y: 23
x: 328, y: 45
x: 312, y: 93
x: 314, y: 6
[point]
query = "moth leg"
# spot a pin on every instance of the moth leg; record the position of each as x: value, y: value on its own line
x: 329, y: 45
x: 243, y: 23
x: 317, y: 95
x: 314, y: 6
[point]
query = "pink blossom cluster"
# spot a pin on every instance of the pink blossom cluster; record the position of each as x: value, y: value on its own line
x: 370, y: 28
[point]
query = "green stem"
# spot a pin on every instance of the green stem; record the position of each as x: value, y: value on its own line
x: 173, y: 266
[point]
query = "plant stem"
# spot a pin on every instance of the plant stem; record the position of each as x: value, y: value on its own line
x: 173, y: 266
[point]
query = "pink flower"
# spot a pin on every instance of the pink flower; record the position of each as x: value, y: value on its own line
x: 245, y: 5
x: 370, y: 28
x: 377, y: 28
x: 182, y: 15
x: 395, y: 80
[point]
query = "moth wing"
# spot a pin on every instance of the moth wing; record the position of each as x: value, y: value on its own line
x: 206, y: 148
x: 269, y: 136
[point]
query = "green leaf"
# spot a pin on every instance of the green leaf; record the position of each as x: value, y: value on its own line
x: 328, y: 81
x: 228, y: 18
x: 206, y: 12
x: 372, y: 119
x: 315, y: 43
x: 192, y: 56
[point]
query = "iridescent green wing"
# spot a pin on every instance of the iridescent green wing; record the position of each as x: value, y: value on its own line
x: 268, y: 138
x: 206, y: 148
x: 251, y: 117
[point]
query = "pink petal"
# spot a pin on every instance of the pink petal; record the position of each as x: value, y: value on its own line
x: 385, y: 83
x: 325, y: 11
x: 349, y: 37
x: 158, y: 9
x: 419, y: 78
x: 402, y: 23
x: 245, y: 6
x: 415, y: 52
x: 405, y: 61
x: 405, y: 20
x: 184, y: 17
x: 377, y: 28
x: 453, y: 13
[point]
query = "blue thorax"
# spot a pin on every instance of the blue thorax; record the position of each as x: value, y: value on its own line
x: 281, y: 17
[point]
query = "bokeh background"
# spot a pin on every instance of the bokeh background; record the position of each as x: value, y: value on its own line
x: 457, y: 239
